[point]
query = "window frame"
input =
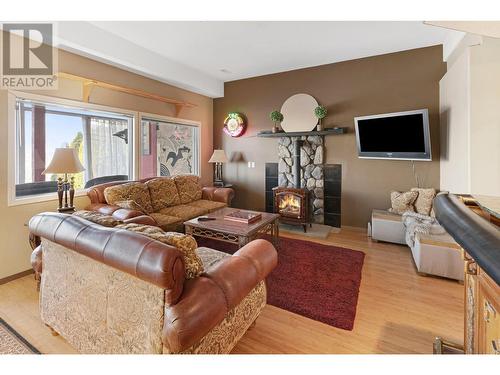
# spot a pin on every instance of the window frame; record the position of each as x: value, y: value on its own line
x: 12, y: 157
x: 169, y: 119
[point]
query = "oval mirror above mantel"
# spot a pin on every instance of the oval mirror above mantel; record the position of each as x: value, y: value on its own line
x: 298, y: 113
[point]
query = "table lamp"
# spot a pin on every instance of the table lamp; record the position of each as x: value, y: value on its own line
x: 64, y: 161
x: 218, y: 157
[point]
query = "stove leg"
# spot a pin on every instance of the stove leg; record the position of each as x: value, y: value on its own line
x: 305, y: 227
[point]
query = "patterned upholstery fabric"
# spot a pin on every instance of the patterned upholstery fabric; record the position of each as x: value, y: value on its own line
x: 99, y: 309
x: 167, y: 222
x: 423, y: 203
x: 184, y: 211
x: 403, y: 202
x: 210, y: 257
x: 98, y: 218
x: 185, y: 243
x: 207, y: 205
x: 131, y: 205
x: 163, y: 192
x: 189, y: 188
x: 135, y: 191
x: 223, y: 337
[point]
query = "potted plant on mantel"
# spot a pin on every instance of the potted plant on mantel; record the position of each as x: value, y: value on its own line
x: 320, y: 112
x: 276, y: 117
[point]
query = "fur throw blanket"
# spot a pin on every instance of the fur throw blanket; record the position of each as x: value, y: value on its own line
x: 418, y: 223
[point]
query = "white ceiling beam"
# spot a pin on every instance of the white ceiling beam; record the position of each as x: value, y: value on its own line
x: 484, y: 28
x: 88, y: 40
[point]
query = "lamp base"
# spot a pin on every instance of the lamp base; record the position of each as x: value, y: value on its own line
x: 66, y: 210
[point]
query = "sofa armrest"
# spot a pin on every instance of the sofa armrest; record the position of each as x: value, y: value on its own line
x: 218, y: 194
x: 126, y: 214
x: 207, y: 299
x: 123, y: 214
x: 102, y: 208
x: 143, y: 219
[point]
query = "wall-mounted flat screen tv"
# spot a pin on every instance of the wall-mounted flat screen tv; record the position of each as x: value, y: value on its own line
x: 400, y: 136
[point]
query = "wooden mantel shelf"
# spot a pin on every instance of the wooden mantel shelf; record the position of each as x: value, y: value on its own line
x: 331, y: 131
x: 89, y: 84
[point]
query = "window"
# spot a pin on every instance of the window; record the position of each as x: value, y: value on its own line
x: 101, y: 140
x: 168, y: 148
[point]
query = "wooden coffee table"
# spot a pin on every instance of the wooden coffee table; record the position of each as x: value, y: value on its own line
x: 233, y: 231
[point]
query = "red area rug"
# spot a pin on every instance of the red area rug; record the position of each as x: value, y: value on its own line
x: 316, y: 281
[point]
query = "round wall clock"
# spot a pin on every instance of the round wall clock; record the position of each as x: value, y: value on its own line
x: 234, y: 124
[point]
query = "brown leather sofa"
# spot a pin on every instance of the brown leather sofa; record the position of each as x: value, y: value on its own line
x: 172, y: 200
x: 108, y: 290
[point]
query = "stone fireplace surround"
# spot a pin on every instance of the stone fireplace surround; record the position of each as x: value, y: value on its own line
x: 311, y: 170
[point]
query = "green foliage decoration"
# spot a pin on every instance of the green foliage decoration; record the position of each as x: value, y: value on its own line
x: 320, y: 112
x: 276, y: 116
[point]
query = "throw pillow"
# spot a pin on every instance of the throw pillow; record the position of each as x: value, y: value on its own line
x: 423, y: 203
x: 189, y: 188
x: 403, y: 202
x: 131, y: 205
x: 98, y: 218
x: 163, y: 191
x: 135, y: 191
x: 186, y: 244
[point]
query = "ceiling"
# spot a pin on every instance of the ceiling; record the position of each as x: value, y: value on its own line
x: 201, y: 56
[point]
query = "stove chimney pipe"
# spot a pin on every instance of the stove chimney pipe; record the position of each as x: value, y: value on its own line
x: 296, y: 162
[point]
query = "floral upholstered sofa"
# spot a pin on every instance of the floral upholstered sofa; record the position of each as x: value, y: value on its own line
x: 114, y: 287
x: 165, y: 202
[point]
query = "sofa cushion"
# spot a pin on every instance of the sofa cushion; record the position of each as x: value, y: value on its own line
x: 163, y: 192
x: 166, y: 222
x: 403, y: 202
x: 189, y: 188
x: 184, y: 211
x: 423, y: 203
x: 210, y: 257
x: 185, y: 243
x: 135, y: 191
x: 98, y: 218
x: 207, y: 205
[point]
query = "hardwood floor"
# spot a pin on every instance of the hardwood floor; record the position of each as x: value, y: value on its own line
x: 398, y: 311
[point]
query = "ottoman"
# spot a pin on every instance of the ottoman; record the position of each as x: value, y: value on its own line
x: 439, y: 255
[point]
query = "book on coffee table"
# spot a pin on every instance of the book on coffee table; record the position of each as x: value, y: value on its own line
x: 243, y: 216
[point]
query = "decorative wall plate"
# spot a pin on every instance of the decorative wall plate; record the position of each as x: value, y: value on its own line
x: 234, y: 124
x: 298, y: 113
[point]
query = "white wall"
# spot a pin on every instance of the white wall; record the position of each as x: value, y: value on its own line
x: 470, y: 121
x: 454, y: 126
x: 485, y: 118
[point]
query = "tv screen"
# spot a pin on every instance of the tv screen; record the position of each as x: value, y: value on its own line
x: 401, y: 135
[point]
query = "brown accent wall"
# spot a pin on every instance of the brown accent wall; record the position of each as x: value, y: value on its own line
x: 387, y: 83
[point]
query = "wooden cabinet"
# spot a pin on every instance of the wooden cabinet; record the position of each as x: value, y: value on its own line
x: 482, y: 311
x: 480, y: 242
x: 489, y: 315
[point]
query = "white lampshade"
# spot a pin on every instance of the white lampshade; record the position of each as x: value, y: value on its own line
x: 65, y: 160
x: 219, y: 156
